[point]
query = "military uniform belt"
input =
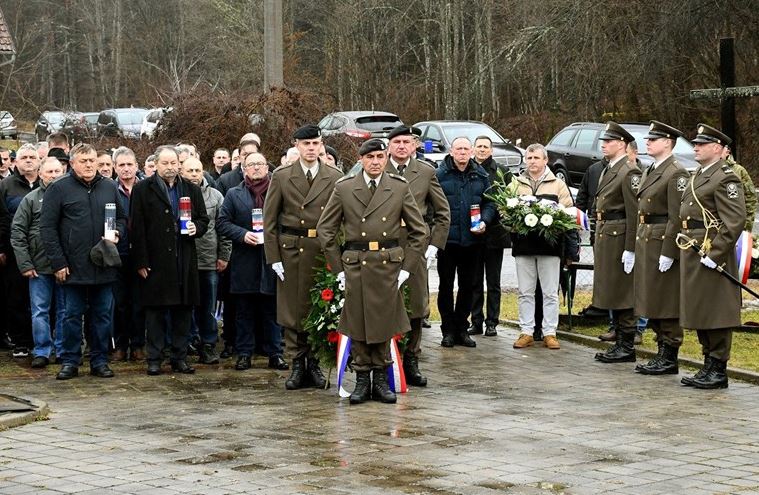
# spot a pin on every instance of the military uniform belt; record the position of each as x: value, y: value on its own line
x: 654, y: 218
x: 370, y: 245
x: 693, y: 224
x: 610, y: 215
x: 298, y: 232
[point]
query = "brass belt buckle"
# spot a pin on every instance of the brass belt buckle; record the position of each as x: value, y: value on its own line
x: 685, y: 224
x: 403, y: 223
x: 373, y: 245
x: 599, y: 216
x: 643, y: 219
x: 311, y: 232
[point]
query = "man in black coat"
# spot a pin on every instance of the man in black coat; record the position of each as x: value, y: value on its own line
x: 166, y: 259
x: 71, y: 225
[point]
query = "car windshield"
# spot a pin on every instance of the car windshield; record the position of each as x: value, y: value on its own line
x: 5, y: 115
x: 378, y: 122
x: 91, y: 119
x: 131, y: 117
x: 682, y: 147
x: 471, y: 131
x: 55, y: 117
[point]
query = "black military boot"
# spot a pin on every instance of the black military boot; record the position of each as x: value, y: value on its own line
x: 363, y: 390
x: 688, y: 380
x: 623, y: 351
x: 652, y: 364
x: 207, y: 354
x: 298, y: 375
x: 315, y: 374
x: 411, y: 369
x: 716, y: 377
x: 380, y: 388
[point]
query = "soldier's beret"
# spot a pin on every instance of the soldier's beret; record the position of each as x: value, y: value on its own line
x: 615, y: 132
x: 660, y: 130
x: 372, y: 145
x: 708, y: 134
x: 331, y: 151
x: 309, y: 131
x: 402, y: 130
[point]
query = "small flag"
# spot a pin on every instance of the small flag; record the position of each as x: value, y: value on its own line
x: 343, y: 353
x: 395, y: 377
x: 580, y: 217
x: 743, y: 255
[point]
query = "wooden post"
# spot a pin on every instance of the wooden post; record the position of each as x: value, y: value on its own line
x: 727, y: 80
x: 273, y: 72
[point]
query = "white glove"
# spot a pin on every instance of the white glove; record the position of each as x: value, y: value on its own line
x: 430, y: 255
x: 402, y: 277
x: 279, y: 269
x: 341, y: 280
x: 708, y: 262
x: 665, y: 263
x: 628, y: 260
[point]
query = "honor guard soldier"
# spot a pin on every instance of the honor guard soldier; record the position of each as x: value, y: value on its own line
x: 297, y: 195
x: 657, y: 277
x: 371, y: 206
x: 712, y: 214
x: 614, y: 252
x: 433, y: 205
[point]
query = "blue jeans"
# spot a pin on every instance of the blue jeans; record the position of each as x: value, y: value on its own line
x: 99, y: 298
x: 257, y: 318
x: 42, y: 289
x: 204, y: 315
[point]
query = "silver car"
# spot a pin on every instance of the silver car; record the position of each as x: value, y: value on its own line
x: 8, y: 127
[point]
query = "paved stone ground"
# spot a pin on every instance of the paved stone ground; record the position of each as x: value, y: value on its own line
x: 493, y: 420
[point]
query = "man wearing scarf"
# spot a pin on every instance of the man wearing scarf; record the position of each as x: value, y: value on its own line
x: 252, y: 282
x: 166, y: 259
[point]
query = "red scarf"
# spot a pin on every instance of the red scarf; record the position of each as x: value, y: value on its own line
x: 258, y: 190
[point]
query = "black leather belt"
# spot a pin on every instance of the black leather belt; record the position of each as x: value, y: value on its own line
x: 370, y: 245
x: 654, y: 218
x: 693, y: 224
x: 298, y: 232
x: 610, y: 215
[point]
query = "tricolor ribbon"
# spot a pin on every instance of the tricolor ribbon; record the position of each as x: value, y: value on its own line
x: 343, y: 353
x: 580, y: 217
x: 395, y: 376
x: 743, y: 255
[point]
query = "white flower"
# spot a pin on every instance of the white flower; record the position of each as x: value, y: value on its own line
x: 530, y: 220
x: 548, y: 203
x: 342, y: 302
x: 512, y: 202
x: 546, y: 220
x: 528, y: 199
x: 334, y: 308
x: 754, y: 253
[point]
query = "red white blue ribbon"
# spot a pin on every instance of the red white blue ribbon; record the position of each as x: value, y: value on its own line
x: 743, y: 255
x: 343, y: 353
x: 395, y: 376
x: 580, y: 217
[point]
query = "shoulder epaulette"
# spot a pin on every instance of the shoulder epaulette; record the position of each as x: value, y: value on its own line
x: 344, y: 178
x: 398, y: 177
x: 727, y: 169
x: 282, y: 167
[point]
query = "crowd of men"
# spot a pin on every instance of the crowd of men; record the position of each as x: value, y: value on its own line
x: 132, y: 260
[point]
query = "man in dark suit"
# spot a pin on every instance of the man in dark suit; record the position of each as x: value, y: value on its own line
x: 166, y: 258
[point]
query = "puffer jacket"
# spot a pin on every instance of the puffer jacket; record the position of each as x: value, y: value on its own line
x: 212, y: 246
x: 25, y: 234
x: 464, y: 189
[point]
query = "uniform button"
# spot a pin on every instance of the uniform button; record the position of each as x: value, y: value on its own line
x: 284, y: 245
x: 363, y: 219
x: 636, y: 237
x: 321, y: 207
x: 363, y: 262
x: 302, y: 207
x: 363, y: 234
x: 384, y: 234
x: 649, y: 200
x: 384, y: 218
x: 662, y: 237
x: 301, y: 250
x: 687, y: 218
x: 167, y: 230
x: 166, y: 211
x: 384, y: 262
x: 690, y: 204
x: 302, y: 222
x: 615, y: 232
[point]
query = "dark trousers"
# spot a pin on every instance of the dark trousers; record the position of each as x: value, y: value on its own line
x: 414, y: 346
x: 488, y: 268
x: 667, y: 331
x: 624, y: 320
x: 129, y: 317
x: 18, y: 316
x: 716, y: 343
x: 99, y: 299
x: 368, y: 357
x: 297, y: 344
x: 462, y: 261
x: 157, y: 323
x: 230, y: 308
x: 257, y: 320
x: 204, y: 315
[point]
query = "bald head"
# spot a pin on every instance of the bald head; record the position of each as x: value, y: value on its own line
x: 192, y: 170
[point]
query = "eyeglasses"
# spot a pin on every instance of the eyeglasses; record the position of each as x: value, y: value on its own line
x: 256, y: 164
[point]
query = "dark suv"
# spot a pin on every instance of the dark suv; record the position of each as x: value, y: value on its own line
x: 576, y: 147
x: 121, y: 122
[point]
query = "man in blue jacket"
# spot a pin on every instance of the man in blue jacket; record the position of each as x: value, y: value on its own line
x: 464, y: 183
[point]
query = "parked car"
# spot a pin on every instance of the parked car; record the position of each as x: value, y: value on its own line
x: 362, y: 125
x: 576, y: 147
x: 151, y: 121
x: 48, y: 123
x: 121, y: 122
x: 79, y: 126
x: 441, y: 133
x: 8, y: 128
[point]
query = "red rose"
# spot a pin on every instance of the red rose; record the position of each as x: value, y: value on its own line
x: 327, y: 295
x: 397, y: 337
x: 333, y: 337
x: 329, y: 268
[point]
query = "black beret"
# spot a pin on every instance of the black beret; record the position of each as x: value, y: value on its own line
x: 660, y: 130
x: 402, y: 130
x: 59, y: 154
x: 708, y: 134
x: 614, y: 132
x: 372, y: 145
x: 331, y: 151
x: 309, y: 131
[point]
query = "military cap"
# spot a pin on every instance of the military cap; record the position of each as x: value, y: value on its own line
x: 402, y: 130
x: 58, y: 153
x: 660, y: 130
x: 708, y: 134
x: 309, y: 131
x: 614, y: 132
x: 372, y: 145
x: 331, y: 151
